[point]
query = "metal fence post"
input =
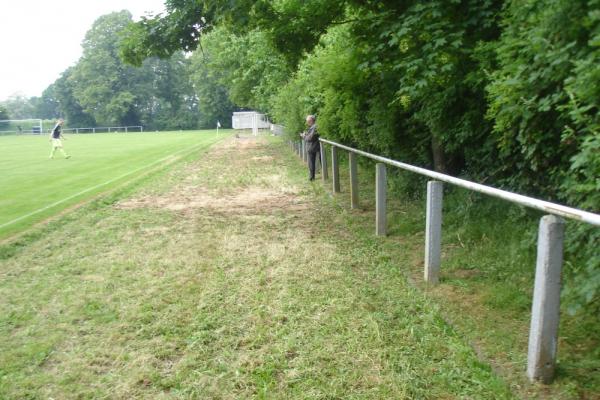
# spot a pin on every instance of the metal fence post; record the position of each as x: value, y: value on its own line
x: 433, y: 231
x: 324, y: 171
x: 380, y: 200
x: 353, y: 181
x: 543, y: 334
x: 335, y: 169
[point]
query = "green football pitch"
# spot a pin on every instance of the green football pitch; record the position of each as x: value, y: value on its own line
x: 34, y: 187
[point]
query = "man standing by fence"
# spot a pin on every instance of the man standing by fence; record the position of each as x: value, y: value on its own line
x: 311, y: 137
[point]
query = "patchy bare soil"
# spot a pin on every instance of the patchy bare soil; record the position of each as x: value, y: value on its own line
x: 271, y: 195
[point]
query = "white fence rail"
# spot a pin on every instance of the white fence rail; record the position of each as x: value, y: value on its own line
x: 543, y: 334
x: 104, y: 129
x: 97, y: 129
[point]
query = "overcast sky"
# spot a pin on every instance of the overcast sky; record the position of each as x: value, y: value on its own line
x: 41, y: 38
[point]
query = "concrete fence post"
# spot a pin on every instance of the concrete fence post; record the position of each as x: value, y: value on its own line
x: 304, y: 152
x: 380, y: 200
x: 324, y: 171
x: 353, y: 180
x: 433, y: 232
x: 335, y: 169
x: 545, y: 311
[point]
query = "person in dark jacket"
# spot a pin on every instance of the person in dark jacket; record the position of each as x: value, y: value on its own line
x: 55, y: 137
x: 311, y: 137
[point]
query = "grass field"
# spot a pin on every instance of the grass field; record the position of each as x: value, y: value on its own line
x: 227, y: 278
x: 230, y: 276
x: 31, y: 183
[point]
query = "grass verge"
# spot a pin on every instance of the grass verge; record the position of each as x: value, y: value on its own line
x: 227, y: 278
x: 488, y: 268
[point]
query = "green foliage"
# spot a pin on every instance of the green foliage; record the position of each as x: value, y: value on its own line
x: 293, y: 26
x: 247, y: 65
x: 213, y: 99
x: 47, y: 106
x: 68, y: 106
x: 3, y: 115
x: 102, y: 84
x: 18, y: 107
x: 166, y: 98
x: 101, y: 90
x: 583, y: 291
x: 544, y: 98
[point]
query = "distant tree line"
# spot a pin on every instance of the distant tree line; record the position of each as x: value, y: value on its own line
x: 101, y: 90
x: 505, y: 92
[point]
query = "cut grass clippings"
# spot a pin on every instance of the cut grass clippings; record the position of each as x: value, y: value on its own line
x: 486, y: 281
x: 228, y: 278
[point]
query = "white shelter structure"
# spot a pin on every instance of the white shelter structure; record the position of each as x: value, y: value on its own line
x: 250, y: 120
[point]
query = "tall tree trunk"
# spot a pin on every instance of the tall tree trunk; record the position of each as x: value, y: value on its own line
x: 439, y: 158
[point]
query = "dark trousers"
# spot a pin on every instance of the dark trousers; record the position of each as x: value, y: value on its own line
x: 312, y: 163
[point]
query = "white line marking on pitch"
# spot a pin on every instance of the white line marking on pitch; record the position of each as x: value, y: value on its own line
x: 39, y: 210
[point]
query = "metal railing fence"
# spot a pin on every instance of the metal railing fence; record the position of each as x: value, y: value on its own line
x: 105, y: 129
x: 543, y: 334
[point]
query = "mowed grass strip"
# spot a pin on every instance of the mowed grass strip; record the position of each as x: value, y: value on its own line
x: 30, y: 181
x: 229, y: 278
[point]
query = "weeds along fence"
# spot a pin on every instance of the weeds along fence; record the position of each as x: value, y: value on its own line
x: 543, y: 333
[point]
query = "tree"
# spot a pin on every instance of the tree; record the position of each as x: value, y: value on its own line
x: 158, y: 94
x: 19, y: 107
x: 68, y: 105
x: 170, y: 101
x: 213, y: 97
x: 47, y: 106
x: 248, y: 66
x: 102, y: 85
x: 3, y: 116
x: 294, y: 26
